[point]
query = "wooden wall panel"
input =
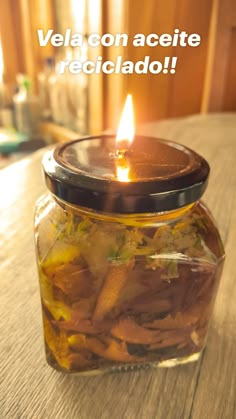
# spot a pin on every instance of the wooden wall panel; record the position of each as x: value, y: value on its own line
x: 19, y: 21
x: 22, y: 22
x: 190, y: 90
x: 9, y: 34
x: 96, y: 92
x: 26, y: 44
x: 230, y: 88
x: 150, y: 92
x: 115, y: 89
x: 219, y: 86
x: 162, y: 96
x: 41, y: 16
x: 186, y: 87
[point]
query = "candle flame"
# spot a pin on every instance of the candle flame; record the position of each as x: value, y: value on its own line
x: 124, y: 138
x: 1, y: 63
x: 125, y: 133
x: 122, y: 173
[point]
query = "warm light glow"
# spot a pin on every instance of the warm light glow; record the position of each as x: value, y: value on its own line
x: 125, y: 133
x: 1, y: 63
x: 122, y: 173
x: 3, y: 137
x: 78, y: 15
x: 21, y: 95
x: 84, y: 51
x: 94, y: 14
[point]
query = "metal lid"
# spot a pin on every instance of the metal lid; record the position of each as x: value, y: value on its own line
x: 163, y: 175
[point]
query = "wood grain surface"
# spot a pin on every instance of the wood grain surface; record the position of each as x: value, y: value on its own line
x: 30, y: 389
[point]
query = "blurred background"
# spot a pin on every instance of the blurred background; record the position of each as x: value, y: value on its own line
x: 38, y: 106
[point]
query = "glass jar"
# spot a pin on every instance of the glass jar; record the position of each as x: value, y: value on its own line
x: 122, y: 289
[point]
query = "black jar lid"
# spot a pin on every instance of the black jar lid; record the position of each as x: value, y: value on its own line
x: 163, y: 175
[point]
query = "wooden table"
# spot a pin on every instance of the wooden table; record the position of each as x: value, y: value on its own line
x: 29, y: 388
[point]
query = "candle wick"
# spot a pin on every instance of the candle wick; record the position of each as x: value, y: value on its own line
x: 121, y: 154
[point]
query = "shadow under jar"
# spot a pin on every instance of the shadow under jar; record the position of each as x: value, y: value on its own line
x: 128, y: 271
